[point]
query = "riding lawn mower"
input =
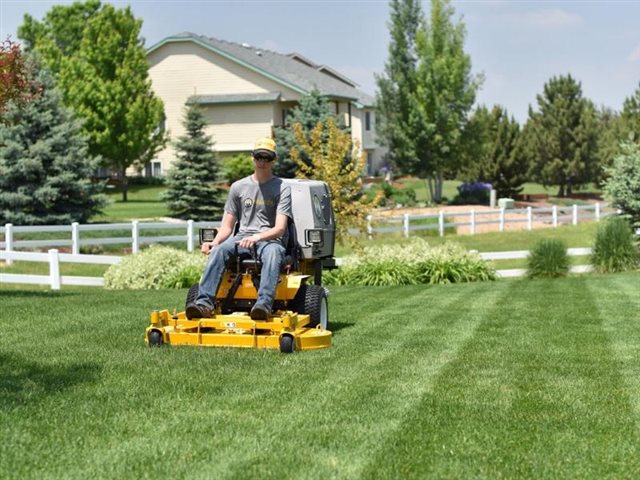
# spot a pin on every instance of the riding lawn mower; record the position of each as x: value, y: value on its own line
x: 300, y: 310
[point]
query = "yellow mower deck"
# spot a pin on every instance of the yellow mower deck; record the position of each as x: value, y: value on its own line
x: 285, y: 330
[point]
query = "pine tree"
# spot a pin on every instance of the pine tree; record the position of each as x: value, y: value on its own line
x: 561, y: 138
x: 311, y: 109
x: 45, y: 165
x: 500, y: 161
x: 192, y: 192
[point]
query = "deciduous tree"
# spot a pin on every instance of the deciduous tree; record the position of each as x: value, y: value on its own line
x: 98, y: 57
x: 13, y: 73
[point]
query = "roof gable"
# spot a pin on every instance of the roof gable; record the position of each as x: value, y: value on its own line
x: 293, y: 71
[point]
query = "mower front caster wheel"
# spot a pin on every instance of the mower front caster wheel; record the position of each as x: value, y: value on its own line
x: 155, y: 339
x: 287, y: 344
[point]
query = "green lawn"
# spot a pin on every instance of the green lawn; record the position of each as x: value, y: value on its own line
x: 143, y: 202
x: 509, y: 379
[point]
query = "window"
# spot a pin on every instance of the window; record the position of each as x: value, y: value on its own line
x: 367, y: 121
x: 156, y: 168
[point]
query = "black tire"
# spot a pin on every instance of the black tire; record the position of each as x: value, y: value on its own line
x: 192, y: 295
x: 155, y: 338
x: 312, y: 300
x: 287, y: 344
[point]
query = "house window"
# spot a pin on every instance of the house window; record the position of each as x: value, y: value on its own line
x: 156, y: 168
x: 367, y: 121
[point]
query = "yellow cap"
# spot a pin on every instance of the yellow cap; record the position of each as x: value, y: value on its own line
x: 265, y: 145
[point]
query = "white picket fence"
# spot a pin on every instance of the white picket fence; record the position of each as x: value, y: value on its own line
x: 553, y: 216
x: 53, y: 257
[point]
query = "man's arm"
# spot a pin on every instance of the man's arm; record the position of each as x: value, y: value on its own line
x: 274, y: 232
x: 226, y: 229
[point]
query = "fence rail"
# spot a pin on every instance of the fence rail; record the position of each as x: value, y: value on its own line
x: 53, y: 257
x: 554, y: 216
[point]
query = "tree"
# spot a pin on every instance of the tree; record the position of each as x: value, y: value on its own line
x: 326, y: 150
x: 45, y: 166
x: 13, y: 74
x: 499, y: 160
x: 311, y: 109
x: 192, y: 192
x: 561, y: 138
x: 395, y: 99
x: 445, y: 93
x: 630, y: 117
x: 98, y: 57
x: 622, y: 186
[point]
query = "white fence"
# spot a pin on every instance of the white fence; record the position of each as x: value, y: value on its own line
x: 73, y: 238
x: 552, y: 216
x: 55, y: 280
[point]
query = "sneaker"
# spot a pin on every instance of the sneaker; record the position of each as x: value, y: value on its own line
x: 260, y: 312
x: 198, y: 311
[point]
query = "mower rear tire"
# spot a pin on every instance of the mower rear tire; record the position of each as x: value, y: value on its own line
x: 287, y: 344
x: 192, y: 295
x: 312, y: 300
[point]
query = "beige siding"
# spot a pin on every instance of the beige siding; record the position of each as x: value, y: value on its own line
x: 179, y: 70
x: 236, y: 127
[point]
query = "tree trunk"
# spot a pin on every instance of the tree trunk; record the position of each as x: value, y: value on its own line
x: 430, y: 188
x: 561, y: 191
x: 125, y: 184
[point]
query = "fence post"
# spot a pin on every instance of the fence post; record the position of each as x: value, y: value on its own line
x: 75, y: 238
x: 502, y: 219
x: 54, y: 269
x: 597, y: 211
x: 441, y: 223
x: 575, y: 214
x: 405, y: 225
x: 135, y: 236
x: 554, y: 213
x: 369, y: 228
x: 190, y: 235
x: 8, y: 240
x: 473, y: 222
x: 529, y: 218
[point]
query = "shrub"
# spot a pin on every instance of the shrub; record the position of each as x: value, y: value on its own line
x: 394, y: 196
x: 237, y: 167
x: 474, y: 193
x: 411, y: 264
x: 155, y: 268
x: 548, y: 258
x: 622, y: 187
x: 614, y: 249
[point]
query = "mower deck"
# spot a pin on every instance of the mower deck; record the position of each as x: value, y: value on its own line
x: 285, y: 330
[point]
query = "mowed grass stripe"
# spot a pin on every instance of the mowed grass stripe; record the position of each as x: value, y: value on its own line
x: 536, y: 393
x: 359, y: 405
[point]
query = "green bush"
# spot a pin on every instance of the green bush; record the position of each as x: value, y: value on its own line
x: 412, y: 264
x: 614, y: 249
x: 154, y: 268
x: 622, y: 187
x: 548, y: 258
x: 237, y: 167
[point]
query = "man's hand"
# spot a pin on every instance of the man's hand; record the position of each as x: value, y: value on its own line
x: 249, y: 242
x: 206, y: 247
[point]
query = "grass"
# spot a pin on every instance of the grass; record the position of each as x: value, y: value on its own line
x: 143, y: 202
x: 510, y: 379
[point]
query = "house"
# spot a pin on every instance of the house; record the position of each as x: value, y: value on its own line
x: 246, y: 92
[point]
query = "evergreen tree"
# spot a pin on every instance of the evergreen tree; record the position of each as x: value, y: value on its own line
x: 611, y: 133
x: 630, y: 118
x: 311, y: 109
x: 98, y: 57
x: 192, y: 192
x: 561, y: 138
x: 499, y: 161
x: 45, y: 165
x: 395, y: 103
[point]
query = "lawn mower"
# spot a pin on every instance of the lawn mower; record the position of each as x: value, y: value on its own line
x: 300, y: 310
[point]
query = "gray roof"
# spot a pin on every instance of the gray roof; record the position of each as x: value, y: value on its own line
x: 284, y: 69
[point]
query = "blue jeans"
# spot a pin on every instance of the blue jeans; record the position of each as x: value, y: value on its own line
x: 270, y: 253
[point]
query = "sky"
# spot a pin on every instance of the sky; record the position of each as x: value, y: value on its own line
x: 516, y: 45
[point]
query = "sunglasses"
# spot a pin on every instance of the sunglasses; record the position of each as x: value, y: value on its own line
x: 263, y: 158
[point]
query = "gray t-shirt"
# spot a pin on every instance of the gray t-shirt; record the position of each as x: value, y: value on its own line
x: 255, y: 205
